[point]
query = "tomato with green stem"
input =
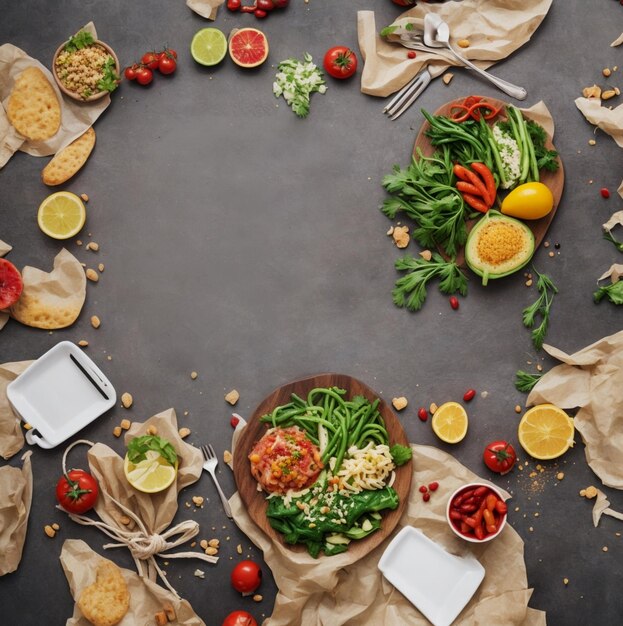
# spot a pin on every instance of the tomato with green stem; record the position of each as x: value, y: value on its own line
x: 166, y: 64
x: 500, y: 456
x: 77, y: 491
x: 340, y: 62
x: 144, y: 76
x: 150, y: 60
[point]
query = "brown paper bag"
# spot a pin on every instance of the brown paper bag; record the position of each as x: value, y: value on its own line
x: 11, y: 436
x: 338, y: 591
x: 146, y: 598
x: 15, y: 500
x: 205, y: 8
x: 494, y: 28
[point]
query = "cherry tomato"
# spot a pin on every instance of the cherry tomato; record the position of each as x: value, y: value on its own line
x: 170, y: 52
x: 150, y: 60
x: 239, y: 618
x: 500, y: 456
x: 340, y: 62
x: 234, y: 5
x: 130, y: 72
x: 260, y: 14
x: 265, y: 5
x: 246, y: 577
x: 77, y: 491
x: 144, y: 76
x: 166, y: 64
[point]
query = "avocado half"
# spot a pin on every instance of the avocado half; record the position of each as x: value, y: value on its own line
x: 497, y: 246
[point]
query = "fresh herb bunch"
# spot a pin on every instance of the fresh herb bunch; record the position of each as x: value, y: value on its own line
x: 139, y: 446
x: 110, y: 79
x: 296, y: 81
x: 80, y: 40
x: 525, y: 381
x: 410, y: 289
x: 613, y: 291
x: 425, y: 192
x: 541, y: 306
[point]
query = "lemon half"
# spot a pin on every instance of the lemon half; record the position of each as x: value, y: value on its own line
x: 151, y: 475
x: 61, y: 215
x: 545, y: 432
x: 450, y: 422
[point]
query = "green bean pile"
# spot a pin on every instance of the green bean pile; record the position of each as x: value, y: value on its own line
x: 348, y: 423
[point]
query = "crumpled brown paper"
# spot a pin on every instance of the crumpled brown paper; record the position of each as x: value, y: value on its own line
x: 154, y: 512
x: 337, y: 591
x: 15, y: 500
x: 76, y: 117
x: 146, y: 598
x: 614, y: 273
x: 205, y: 8
x: 11, y: 436
x: 608, y: 120
x: 52, y: 299
x: 5, y: 248
x: 591, y: 379
x: 494, y: 28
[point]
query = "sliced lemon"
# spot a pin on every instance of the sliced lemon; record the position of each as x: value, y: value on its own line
x: 151, y: 475
x: 545, y: 432
x: 61, y: 215
x: 208, y: 46
x: 450, y: 422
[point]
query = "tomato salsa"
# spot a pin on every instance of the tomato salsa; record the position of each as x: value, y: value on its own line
x: 285, y: 459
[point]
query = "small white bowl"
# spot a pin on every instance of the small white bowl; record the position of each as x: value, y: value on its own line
x: 456, y: 527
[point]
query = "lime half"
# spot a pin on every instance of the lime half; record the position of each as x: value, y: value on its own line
x: 209, y: 46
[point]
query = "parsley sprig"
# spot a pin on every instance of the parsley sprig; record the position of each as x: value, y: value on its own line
x: 410, y: 289
x: 613, y: 291
x: 110, y: 79
x: 541, y: 306
x: 524, y: 381
x: 82, y: 39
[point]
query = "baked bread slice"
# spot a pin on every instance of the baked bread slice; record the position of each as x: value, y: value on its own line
x: 68, y: 161
x: 33, y: 107
x: 107, y: 600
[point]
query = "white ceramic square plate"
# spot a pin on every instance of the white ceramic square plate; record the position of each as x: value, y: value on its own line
x: 439, y: 584
x: 59, y: 394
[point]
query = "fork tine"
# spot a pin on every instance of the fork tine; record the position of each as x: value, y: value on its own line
x: 400, y: 95
x: 414, y: 95
x: 204, y: 451
x: 211, y: 449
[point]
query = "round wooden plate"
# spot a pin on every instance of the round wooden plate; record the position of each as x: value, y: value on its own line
x: 255, y: 501
x: 554, y: 180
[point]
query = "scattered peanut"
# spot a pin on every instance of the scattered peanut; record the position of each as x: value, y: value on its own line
x: 199, y: 574
x: 49, y: 531
x: 592, y: 142
x: 258, y: 597
x: 517, y: 409
x: 161, y: 618
x: 83, y: 343
x: 127, y: 400
x: 100, y: 267
x: 529, y: 282
x: 92, y: 275
x: 463, y: 43
x: 116, y: 431
x: 401, y: 236
x: 605, y: 549
x: 184, y: 432
x: 399, y: 403
x: 79, y: 243
x: 214, y: 543
x: 427, y: 255
x: 239, y: 549
x: 589, y: 492
x: 84, y: 197
x: 232, y: 397
x: 606, y: 71
x: 560, y: 475
x: 447, y: 77
x: 227, y: 457
x: 125, y: 424
x: 152, y: 430
x: 125, y: 520
x: 211, y: 550
x: 592, y: 92
x: 203, y: 544
x: 607, y: 94
x: 390, y: 232
x: 432, y: 408
x: 93, y: 245
x: 194, y: 375
x: 565, y: 581
x: 27, y: 426
x: 55, y: 526
x: 95, y: 321
x: 198, y: 500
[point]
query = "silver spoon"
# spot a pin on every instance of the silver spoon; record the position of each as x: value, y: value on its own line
x: 437, y: 35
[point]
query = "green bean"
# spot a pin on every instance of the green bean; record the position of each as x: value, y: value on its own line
x: 372, y: 431
x: 362, y: 422
x: 342, y: 449
x: 317, y: 420
x: 331, y: 391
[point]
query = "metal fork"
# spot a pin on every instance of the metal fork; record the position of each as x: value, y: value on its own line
x: 211, y: 461
x: 408, y: 94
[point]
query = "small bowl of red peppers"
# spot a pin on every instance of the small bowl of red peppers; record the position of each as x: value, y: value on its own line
x: 476, y: 512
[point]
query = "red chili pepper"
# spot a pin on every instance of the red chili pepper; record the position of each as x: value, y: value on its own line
x: 474, y: 111
x: 433, y: 486
x: 471, y: 100
x: 467, y: 175
x: 426, y: 496
x: 469, y: 395
x: 465, y: 187
x: 604, y: 192
x: 422, y: 414
x: 454, y: 302
x: 411, y: 54
x: 487, y: 177
x: 234, y: 421
x: 475, y: 203
x: 462, y: 113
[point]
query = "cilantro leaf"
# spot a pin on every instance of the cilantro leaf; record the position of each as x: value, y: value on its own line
x: 80, y: 40
x: 614, y: 293
x: 139, y: 446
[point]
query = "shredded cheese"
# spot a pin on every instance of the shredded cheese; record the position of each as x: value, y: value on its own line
x: 366, y: 468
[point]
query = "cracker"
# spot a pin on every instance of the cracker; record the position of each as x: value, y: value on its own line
x: 106, y: 601
x: 33, y: 107
x: 69, y: 160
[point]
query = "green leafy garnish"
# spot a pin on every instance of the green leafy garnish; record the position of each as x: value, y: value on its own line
x: 608, y: 236
x: 139, y: 446
x: 410, y: 289
x: 614, y: 293
x: 388, y: 30
x: 545, y: 159
x: 296, y: 81
x: 525, y: 381
x: 80, y: 40
x: 110, y: 79
x: 400, y: 454
x: 541, y: 306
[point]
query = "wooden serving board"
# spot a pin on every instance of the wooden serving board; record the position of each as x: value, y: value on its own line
x: 255, y: 501
x: 554, y: 180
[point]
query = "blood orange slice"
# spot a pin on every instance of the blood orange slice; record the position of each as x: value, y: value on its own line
x: 248, y: 47
x: 11, y: 284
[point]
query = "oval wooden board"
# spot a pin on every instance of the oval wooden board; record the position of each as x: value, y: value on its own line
x: 255, y: 501
x: 554, y: 180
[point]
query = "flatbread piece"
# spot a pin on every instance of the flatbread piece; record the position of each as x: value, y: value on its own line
x: 69, y: 160
x: 107, y: 600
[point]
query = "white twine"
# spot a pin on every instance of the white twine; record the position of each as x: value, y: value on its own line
x: 143, y: 546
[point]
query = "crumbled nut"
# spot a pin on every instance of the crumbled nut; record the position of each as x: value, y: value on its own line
x: 161, y: 618
x: 187, y: 505
x: 92, y: 275
x: 152, y: 430
x: 194, y: 375
x: 427, y: 255
x: 399, y: 403
x: 591, y: 142
x: 463, y: 43
x: 170, y: 611
x: 116, y: 431
x: 604, y: 549
x: 592, y: 92
x: 100, y: 267
x: 606, y: 71
x: 127, y: 400
x: 258, y: 597
x: 84, y: 197
x: 203, y: 544
x: 125, y: 424
x: 432, y: 408
x: 211, y: 550
x: 447, y: 77
x: 199, y: 574
x: 227, y: 457
x: 401, y: 236
x: 239, y: 549
x: 27, y: 426
x: 125, y: 520
x: 214, y: 543
x: 565, y: 581
x: 529, y: 282
x: 198, y: 500
x: 539, y: 368
x: 93, y: 245
x: 232, y: 397
x: 184, y: 432
x: 390, y: 232
x: 49, y: 531
x: 546, y: 244
x: 55, y: 526
x: 83, y: 343
x: 590, y: 492
x: 517, y: 409
x: 607, y: 94
x: 560, y: 475
x: 95, y: 321
x: 79, y: 243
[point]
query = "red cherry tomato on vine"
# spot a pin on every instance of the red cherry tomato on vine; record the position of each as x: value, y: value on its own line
x: 150, y: 60
x: 77, y: 491
x: 144, y: 76
x: 500, y: 457
x: 340, y: 62
x: 166, y: 64
x: 239, y: 618
x: 130, y: 72
x: 246, y: 577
